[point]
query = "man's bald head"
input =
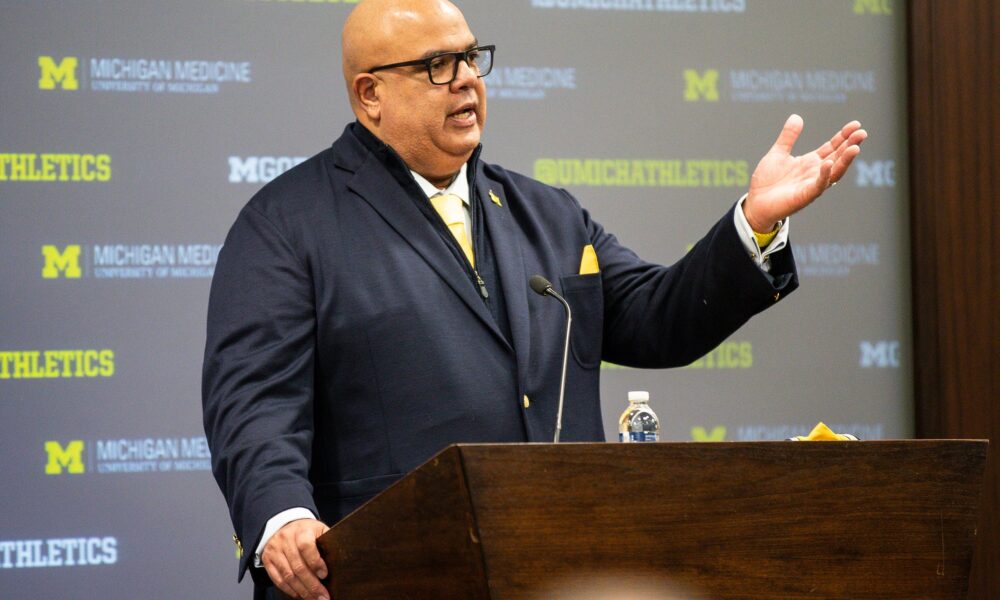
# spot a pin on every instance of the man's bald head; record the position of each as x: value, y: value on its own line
x: 434, y: 128
x: 374, y: 30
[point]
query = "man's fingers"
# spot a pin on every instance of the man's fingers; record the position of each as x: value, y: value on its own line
x: 848, y: 150
x: 283, y: 576
x: 295, y: 578
x: 853, y: 141
x: 293, y: 561
x: 310, y: 586
x: 306, y: 544
x: 822, y: 182
x: 843, y: 162
x: 825, y: 170
x: 836, y: 143
x: 789, y: 133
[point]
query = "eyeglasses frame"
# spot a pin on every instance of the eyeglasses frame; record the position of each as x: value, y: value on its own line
x: 462, y: 56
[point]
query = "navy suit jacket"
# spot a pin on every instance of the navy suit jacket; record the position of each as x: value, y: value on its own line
x: 346, y: 344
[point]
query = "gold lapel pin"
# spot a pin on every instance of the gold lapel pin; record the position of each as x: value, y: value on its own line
x: 495, y: 199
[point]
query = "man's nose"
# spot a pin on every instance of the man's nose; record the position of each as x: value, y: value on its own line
x: 465, y: 77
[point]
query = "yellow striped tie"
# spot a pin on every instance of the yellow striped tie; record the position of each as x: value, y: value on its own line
x: 449, y: 207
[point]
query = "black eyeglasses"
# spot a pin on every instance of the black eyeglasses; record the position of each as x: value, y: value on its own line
x: 443, y: 68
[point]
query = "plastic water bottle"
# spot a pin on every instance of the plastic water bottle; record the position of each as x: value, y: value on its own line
x: 638, y: 423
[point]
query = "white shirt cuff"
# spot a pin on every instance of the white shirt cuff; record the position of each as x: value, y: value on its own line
x: 760, y: 257
x: 274, y: 524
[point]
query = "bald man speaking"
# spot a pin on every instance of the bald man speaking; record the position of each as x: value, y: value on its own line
x: 371, y: 306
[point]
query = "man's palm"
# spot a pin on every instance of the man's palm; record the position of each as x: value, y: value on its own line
x: 783, y: 184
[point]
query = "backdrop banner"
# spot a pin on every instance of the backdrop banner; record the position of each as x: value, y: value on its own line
x: 133, y: 132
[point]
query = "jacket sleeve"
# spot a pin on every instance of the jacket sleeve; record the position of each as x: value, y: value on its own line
x: 666, y: 316
x: 257, y: 379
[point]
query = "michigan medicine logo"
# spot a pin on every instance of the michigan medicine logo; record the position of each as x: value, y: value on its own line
x: 130, y: 261
x: 529, y: 83
x: 836, y: 259
x: 766, y: 85
x: 141, y: 75
x: 127, y: 456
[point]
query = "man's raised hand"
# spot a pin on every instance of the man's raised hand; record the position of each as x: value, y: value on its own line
x: 783, y: 184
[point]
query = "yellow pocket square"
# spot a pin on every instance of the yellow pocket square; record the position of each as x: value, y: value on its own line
x: 588, y: 262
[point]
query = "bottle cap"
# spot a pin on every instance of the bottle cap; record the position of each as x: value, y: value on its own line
x: 638, y: 396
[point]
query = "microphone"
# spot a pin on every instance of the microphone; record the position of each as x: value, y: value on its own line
x: 543, y: 287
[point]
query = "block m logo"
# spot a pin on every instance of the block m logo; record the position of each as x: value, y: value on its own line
x: 69, y: 458
x: 880, y: 355
x: 878, y: 173
x: 718, y: 434
x: 698, y: 86
x: 873, y: 7
x: 64, y: 73
x: 66, y: 262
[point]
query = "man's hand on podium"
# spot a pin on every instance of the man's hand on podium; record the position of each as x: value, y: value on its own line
x: 292, y: 560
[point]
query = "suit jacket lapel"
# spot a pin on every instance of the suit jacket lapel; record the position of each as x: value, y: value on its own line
x: 373, y: 182
x: 510, y: 264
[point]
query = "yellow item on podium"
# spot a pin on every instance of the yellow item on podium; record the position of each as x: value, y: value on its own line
x: 822, y: 433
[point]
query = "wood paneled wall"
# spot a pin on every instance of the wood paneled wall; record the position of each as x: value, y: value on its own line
x: 954, y: 114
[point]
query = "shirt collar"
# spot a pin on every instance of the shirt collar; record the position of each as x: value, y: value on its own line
x: 458, y: 187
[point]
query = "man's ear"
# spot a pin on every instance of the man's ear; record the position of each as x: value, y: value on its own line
x: 366, y: 88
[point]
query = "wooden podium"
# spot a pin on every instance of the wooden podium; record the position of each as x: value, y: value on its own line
x: 882, y: 519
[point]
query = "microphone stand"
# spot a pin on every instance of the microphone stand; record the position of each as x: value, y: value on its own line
x: 542, y: 286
